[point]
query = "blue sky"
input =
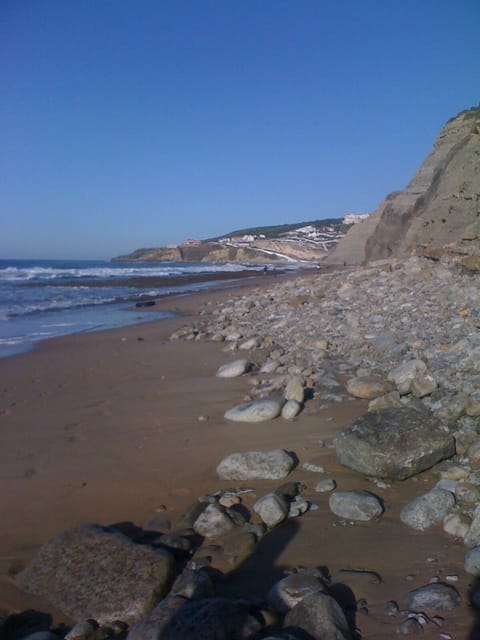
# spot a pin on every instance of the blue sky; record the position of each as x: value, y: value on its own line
x: 137, y: 123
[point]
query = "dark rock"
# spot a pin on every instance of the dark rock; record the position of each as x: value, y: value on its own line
x: 437, y: 597
x: 20, y: 625
x: 88, y: 572
x: 289, y: 591
x: 320, y: 616
x: 205, y: 619
x: 394, y: 443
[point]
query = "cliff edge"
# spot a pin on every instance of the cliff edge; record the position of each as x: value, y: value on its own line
x: 437, y: 214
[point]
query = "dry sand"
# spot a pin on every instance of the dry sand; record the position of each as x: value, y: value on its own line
x: 104, y: 428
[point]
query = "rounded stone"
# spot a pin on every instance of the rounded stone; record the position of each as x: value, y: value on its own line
x: 295, y: 390
x: 472, y: 561
x: 213, y: 522
x: 291, y: 409
x: 435, y: 597
x: 355, y: 505
x: 233, y: 369
x: 256, y: 465
x: 326, y: 485
x: 272, y: 509
x: 289, y: 591
x: 425, y: 511
x: 368, y: 387
x: 256, y: 410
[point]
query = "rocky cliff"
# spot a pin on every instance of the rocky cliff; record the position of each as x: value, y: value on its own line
x: 204, y: 252
x: 437, y: 214
x: 260, y: 251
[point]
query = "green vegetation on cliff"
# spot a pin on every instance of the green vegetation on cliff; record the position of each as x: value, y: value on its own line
x: 273, y: 231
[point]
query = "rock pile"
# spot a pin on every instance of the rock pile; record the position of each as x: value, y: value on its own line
x: 402, y: 334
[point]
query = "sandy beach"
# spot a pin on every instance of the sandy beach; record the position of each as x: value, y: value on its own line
x: 105, y: 428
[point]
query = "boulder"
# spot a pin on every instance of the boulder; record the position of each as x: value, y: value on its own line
x: 472, y: 537
x: 213, y: 522
x: 288, y: 592
x: 394, y: 443
x: 404, y: 375
x: 450, y: 408
x: 472, y: 561
x: 388, y: 401
x: 294, y: 389
x: 92, y: 572
x: 256, y: 465
x: 201, y: 619
x: 368, y: 387
x: 423, y: 385
x: 291, y: 409
x: 256, y: 410
x: 272, y: 509
x: 319, y: 616
x: 425, y: 511
x: 436, y: 597
x: 455, y: 526
x: 233, y: 369
x: 355, y: 505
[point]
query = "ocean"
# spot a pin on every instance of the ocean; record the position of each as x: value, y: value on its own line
x: 41, y: 299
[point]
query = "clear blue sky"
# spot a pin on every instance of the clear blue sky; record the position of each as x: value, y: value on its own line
x: 136, y: 123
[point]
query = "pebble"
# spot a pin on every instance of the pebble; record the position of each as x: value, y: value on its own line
x: 325, y: 485
x: 314, y: 468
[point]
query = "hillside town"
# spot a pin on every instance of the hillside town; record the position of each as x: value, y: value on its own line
x: 318, y: 236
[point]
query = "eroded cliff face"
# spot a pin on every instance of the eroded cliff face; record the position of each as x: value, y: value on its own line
x: 438, y: 213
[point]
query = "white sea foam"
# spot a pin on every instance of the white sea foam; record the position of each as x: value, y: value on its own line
x: 29, y: 274
x: 12, y: 340
x: 53, y: 305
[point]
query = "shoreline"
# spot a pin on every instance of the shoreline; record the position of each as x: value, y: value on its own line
x: 114, y: 315
x: 104, y: 427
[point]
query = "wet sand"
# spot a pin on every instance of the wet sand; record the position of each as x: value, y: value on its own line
x: 104, y: 428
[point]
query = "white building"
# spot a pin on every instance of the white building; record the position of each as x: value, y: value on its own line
x: 354, y: 218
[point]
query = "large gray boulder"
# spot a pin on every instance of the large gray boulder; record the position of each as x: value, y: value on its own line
x: 91, y: 572
x: 256, y: 465
x: 394, y: 443
x: 320, y: 616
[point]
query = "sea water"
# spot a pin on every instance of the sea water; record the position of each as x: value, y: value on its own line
x: 42, y: 299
